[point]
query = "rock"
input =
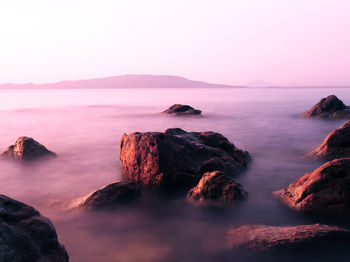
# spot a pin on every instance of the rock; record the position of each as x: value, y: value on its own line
x: 179, y: 109
x: 330, y: 107
x: 26, y: 148
x: 218, y: 187
x: 336, y: 145
x: 262, y: 238
x: 326, y: 190
x: 177, y: 158
x: 25, y: 235
x: 110, y: 196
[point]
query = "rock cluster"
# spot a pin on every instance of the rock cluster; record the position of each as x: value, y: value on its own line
x: 335, y: 145
x: 26, y: 235
x: 26, y: 148
x: 330, y: 107
x: 179, y: 109
x: 204, y: 162
x: 174, y: 159
x: 326, y: 190
x: 177, y: 158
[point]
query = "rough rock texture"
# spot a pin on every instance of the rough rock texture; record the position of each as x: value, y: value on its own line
x: 26, y: 148
x: 262, y: 238
x: 217, y: 186
x: 177, y: 158
x: 330, y: 107
x: 179, y: 109
x: 110, y: 196
x: 336, y: 145
x: 26, y: 236
x: 325, y: 190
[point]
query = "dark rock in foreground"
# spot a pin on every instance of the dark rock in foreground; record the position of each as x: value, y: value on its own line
x: 179, y: 109
x: 26, y: 148
x: 324, y: 191
x: 217, y: 187
x: 330, y: 107
x: 336, y: 145
x: 27, y: 236
x: 177, y: 158
x: 111, y: 196
x: 262, y: 238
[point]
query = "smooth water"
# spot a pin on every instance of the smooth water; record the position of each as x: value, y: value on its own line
x: 84, y: 128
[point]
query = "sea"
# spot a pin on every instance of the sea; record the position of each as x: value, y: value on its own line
x: 84, y: 128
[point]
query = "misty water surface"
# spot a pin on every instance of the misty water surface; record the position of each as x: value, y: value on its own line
x: 84, y: 128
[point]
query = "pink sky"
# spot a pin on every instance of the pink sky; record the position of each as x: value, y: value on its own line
x: 289, y: 42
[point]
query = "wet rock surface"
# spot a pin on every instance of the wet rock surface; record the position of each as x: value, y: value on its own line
x: 335, y: 145
x: 177, y: 158
x: 217, y: 187
x: 326, y: 190
x: 179, y: 109
x: 110, y: 196
x: 27, y: 236
x: 330, y: 108
x: 26, y: 148
x: 265, y: 239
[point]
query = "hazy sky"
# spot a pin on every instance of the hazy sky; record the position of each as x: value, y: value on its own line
x: 285, y: 42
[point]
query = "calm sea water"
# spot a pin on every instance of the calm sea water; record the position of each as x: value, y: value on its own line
x: 84, y: 128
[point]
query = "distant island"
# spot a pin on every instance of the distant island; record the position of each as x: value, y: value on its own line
x: 122, y: 81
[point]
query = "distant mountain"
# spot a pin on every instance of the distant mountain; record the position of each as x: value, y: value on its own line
x: 259, y: 83
x: 123, y: 81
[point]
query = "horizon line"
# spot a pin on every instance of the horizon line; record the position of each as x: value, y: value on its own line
x: 37, y: 85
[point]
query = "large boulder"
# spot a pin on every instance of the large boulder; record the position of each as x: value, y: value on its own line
x: 326, y: 190
x: 177, y: 158
x: 27, y: 236
x: 330, y: 107
x: 109, y: 196
x: 335, y: 145
x: 217, y: 187
x: 179, y: 109
x: 26, y: 148
x: 264, y: 239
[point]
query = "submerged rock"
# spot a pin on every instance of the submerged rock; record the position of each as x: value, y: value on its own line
x: 330, y: 107
x: 110, y: 196
x: 217, y: 187
x: 26, y: 148
x: 262, y: 238
x: 335, y: 145
x: 179, y: 109
x: 27, y: 236
x: 326, y: 190
x: 177, y: 158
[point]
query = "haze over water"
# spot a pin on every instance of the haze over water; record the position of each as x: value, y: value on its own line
x: 84, y: 128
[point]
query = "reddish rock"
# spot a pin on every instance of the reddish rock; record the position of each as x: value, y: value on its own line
x: 330, y: 107
x: 217, y: 187
x: 335, y: 145
x: 179, y: 109
x: 262, y: 238
x: 26, y: 235
x: 26, y: 148
x: 326, y: 190
x: 177, y: 158
x: 110, y: 196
